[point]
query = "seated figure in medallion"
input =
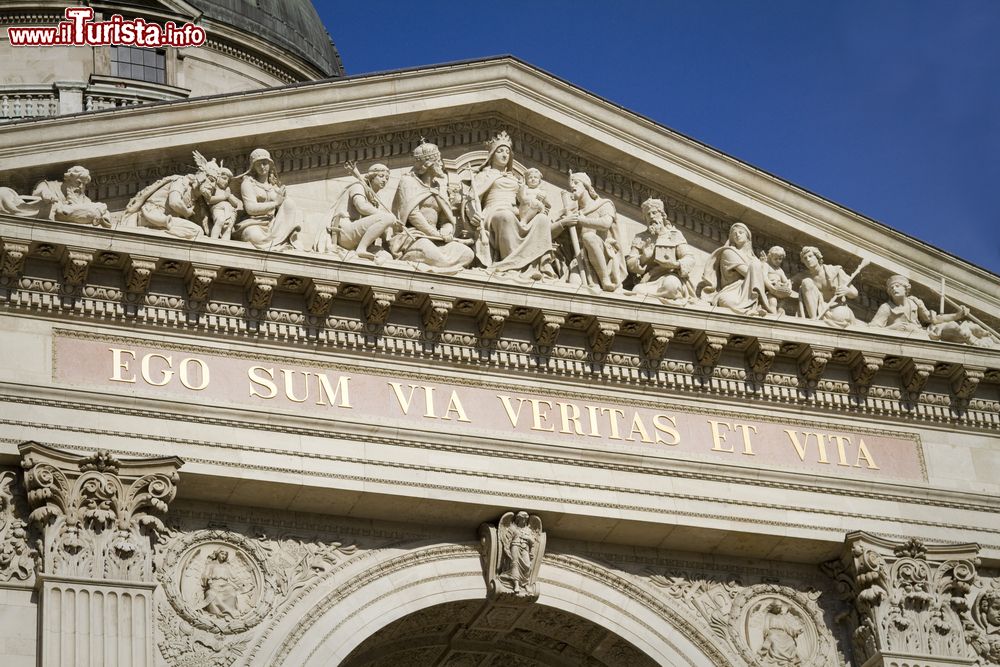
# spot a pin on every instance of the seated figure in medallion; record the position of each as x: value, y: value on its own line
x: 272, y: 221
x: 734, y: 278
x: 514, y: 235
x: 909, y: 314
x: 359, y: 216
x: 67, y: 200
x: 662, y: 258
x: 428, y: 236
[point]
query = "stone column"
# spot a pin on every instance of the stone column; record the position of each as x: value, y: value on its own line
x: 99, y: 519
x: 910, y: 602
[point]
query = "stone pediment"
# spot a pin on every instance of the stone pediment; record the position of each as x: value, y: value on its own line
x: 312, y: 130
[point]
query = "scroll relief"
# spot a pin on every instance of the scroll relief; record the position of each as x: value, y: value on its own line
x: 490, y: 215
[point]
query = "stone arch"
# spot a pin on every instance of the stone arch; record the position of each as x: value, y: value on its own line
x: 382, y: 586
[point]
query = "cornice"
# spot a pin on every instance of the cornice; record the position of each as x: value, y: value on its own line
x: 78, y: 297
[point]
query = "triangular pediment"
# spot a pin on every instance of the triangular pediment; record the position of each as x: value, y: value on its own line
x: 311, y: 130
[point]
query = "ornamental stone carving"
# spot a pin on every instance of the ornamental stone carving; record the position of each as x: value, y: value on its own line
x: 511, y: 553
x: 661, y: 258
x: 910, y: 602
x: 984, y: 631
x: 63, y: 201
x: 99, y: 517
x: 218, y: 581
x: 17, y: 559
x: 777, y: 626
x: 422, y: 204
x: 908, y: 314
x: 493, y: 217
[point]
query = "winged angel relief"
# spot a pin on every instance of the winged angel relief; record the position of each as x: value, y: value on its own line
x: 512, y: 554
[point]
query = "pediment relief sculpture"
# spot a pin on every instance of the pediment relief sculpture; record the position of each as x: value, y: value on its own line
x: 487, y: 214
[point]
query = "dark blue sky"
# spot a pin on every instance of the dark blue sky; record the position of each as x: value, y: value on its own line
x: 891, y: 108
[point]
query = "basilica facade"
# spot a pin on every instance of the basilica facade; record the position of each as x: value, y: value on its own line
x: 464, y: 365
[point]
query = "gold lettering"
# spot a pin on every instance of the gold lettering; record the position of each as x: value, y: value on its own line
x: 613, y: 415
x: 289, y: 377
x: 455, y: 405
x: 638, y: 427
x: 841, y: 441
x: 718, y: 437
x: 537, y: 415
x: 185, y: 377
x: 331, y: 394
x: 165, y: 375
x: 404, y: 403
x: 512, y: 415
x: 265, y: 382
x: 863, y: 453
x: 670, y: 430
x: 801, y: 447
x: 564, y: 409
x: 121, y: 365
x: 592, y: 414
x: 429, y: 402
x: 745, y: 430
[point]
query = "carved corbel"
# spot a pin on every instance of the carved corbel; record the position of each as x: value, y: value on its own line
x: 490, y: 321
x: 12, y: 263
x: 547, y: 327
x: 602, y: 335
x: 378, y: 302
x: 319, y: 298
x: 760, y: 357
x: 76, y: 266
x: 511, y: 552
x: 137, y: 278
x: 655, y: 340
x: 434, y: 315
x: 863, y: 369
x: 707, y: 351
x: 964, y: 385
x: 812, y: 363
x: 913, y: 378
x: 259, y: 293
x: 199, y: 283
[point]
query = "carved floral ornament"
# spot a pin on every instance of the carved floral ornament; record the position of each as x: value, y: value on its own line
x: 99, y: 517
x: 487, y: 214
x: 910, y: 600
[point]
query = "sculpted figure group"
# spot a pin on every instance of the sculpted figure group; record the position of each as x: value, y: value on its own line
x: 499, y: 219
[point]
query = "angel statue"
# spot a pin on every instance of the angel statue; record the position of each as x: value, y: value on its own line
x: 512, y: 555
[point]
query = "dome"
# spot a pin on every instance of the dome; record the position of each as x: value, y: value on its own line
x: 291, y: 24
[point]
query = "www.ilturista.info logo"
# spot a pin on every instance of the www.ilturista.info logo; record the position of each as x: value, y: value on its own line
x: 79, y: 29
